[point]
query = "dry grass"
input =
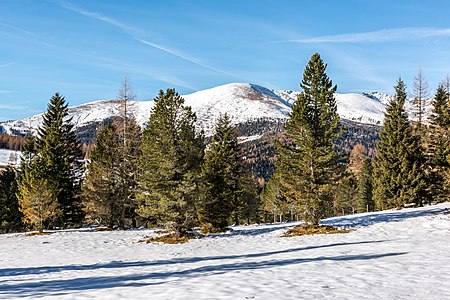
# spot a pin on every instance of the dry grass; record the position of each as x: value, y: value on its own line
x: 103, y: 229
x: 209, y: 229
x: 310, y: 229
x: 170, y: 238
x: 34, y: 233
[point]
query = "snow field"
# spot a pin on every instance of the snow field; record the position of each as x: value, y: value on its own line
x: 390, y: 255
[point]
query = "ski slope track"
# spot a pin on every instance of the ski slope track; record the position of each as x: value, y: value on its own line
x: 241, y: 101
x: 398, y: 254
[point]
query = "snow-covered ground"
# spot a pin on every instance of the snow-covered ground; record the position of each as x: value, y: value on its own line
x: 390, y: 255
x: 9, y: 157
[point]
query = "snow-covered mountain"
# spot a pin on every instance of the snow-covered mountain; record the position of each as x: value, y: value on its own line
x: 241, y: 101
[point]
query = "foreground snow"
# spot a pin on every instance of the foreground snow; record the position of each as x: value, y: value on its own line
x: 391, y: 255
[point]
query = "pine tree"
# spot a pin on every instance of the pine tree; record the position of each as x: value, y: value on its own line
x: 58, y: 149
x: 308, y: 164
x: 37, y: 200
x: 345, y: 196
x: 103, y: 191
x: 398, y: 177
x: 437, y: 148
x: 273, y: 199
x: 223, y: 184
x: 169, y: 166
x: 10, y: 215
x: 364, y: 194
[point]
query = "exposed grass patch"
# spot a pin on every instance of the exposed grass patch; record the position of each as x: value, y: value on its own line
x: 104, y: 229
x: 209, y: 229
x: 312, y: 229
x: 34, y: 233
x: 170, y: 238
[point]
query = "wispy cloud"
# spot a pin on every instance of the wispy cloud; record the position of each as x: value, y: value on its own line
x: 7, y: 65
x: 139, y: 35
x: 398, y: 34
x: 14, y: 107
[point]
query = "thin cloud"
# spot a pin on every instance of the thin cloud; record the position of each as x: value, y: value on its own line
x: 377, y: 36
x: 136, y: 34
x: 7, y: 65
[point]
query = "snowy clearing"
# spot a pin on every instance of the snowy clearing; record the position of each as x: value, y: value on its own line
x: 390, y: 255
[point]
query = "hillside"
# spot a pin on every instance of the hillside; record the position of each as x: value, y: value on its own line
x: 243, y: 102
x: 389, y: 255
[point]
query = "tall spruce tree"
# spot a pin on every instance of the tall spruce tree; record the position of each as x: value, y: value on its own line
x: 56, y: 163
x: 345, y: 197
x: 102, y: 189
x: 398, y: 176
x: 222, y: 179
x: 169, y: 166
x: 364, y: 193
x: 10, y: 215
x: 307, y: 162
x: 437, y: 148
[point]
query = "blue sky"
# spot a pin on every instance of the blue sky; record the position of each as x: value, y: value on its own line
x: 83, y: 49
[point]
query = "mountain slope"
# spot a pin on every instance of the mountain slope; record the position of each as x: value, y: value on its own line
x: 243, y: 102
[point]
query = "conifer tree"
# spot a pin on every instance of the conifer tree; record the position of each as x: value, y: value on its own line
x: 420, y: 95
x: 272, y: 197
x: 103, y: 191
x: 169, y: 165
x: 10, y: 215
x: 58, y: 149
x: 398, y: 177
x: 437, y: 148
x: 308, y: 164
x: 37, y: 200
x: 345, y: 196
x: 364, y: 194
x: 222, y: 180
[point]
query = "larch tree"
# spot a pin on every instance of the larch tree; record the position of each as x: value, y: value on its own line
x: 421, y: 92
x: 169, y: 165
x: 397, y: 171
x: 308, y: 163
x: 37, y: 200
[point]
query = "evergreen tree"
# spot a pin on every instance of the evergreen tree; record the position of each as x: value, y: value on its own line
x: 398, y: 177
x: 273, y: 199
x: 224, y: 185
x: 169, y: 166
x: 345, y: 196
x: 364, y: 195
x: 10, y: 215
x: 37, y: 200
x: 103, y: 191
x: 308, y: 164
x: 109, y: 187
x: 58, y: 149
x: 437, y: 148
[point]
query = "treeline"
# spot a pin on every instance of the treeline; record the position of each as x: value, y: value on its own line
x: 163, y: 176
x: 11, y: 142
x: 169, y: 175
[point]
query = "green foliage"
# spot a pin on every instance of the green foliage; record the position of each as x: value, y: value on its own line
x: 37, y: 199
x: 437, y: 148
x: 398, y: 176
x: 226, y: 186
x: 10, y: 215
x: 109, y: 187
x: 364, y: 194
x: 345, y: 196
x: 308, y: 166
x: 57, y: 149
x: 169, y: 166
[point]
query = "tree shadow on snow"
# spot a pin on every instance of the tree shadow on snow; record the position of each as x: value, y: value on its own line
x: 380, y: 217
x: 74, y: 285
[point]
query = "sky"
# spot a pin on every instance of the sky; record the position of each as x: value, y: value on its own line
x: 84, y: 49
